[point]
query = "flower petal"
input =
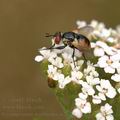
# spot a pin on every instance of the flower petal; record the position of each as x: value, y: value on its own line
x: 102, y: 96
x: 83, y: 96
x: 102, y: 61
x: 99, y: 116
x: 86, y: 108
x: 109, y: 117
x: 108, y: 108
x: 39, y: 58
x: 77, y: 113
x: 111, y: 92
x: 109, y: 69
x: 115, y: 64
x: 96, y: 99
x: 116, y: 77
x: 98, y: 52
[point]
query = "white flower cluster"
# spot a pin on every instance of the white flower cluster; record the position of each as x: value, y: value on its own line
x: 105, y: 113
x: 99, y: 79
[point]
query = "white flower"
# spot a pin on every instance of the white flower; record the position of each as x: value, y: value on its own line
x: 90, y: 70
x: 83, y: 96
x: 108, y: 63
x: 94, y: 73
x: 51, y: 71
x: 39, y: 58
x: 105, y: 33
x: 47, y: 53
x: 83, y: 105
x: 104, y: 48
x: 118, y: 90
x: 96, y: 99
x: 118, y: 70
x: 78, y: 64
x: 99, y: 51
x: 110, y: 50
x: 86, y: 88
x: 100, y: 26
x: 67, y: 58
x: 77, y: 113
x: 63, y: 81
x: 75, y: 67
x: 116, y: 77
x: 76, y: 76
x: 116, y: 57
x: 56, y: 61
x: 105, y: 88
x: 105, y: 113
x: 81, y: 24
x: 98, y: 48
x: 91, y: 74
x: 92, y: 81
x: 94, y: 23
x: 111, y: 39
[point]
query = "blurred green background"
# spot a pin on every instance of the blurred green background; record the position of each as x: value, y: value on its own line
x: 24, y: 94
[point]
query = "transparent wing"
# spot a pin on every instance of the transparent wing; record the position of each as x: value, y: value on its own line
x: 87, y: 30
x: 89, y: 54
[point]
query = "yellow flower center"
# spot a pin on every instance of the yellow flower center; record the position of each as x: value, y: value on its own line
x: 109, y: 62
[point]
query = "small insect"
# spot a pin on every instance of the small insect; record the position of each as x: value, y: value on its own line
x: 76, y: 39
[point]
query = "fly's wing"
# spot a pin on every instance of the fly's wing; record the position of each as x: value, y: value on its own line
x: 89, y: 54
x: 86, y: 31
x: 82, y: 46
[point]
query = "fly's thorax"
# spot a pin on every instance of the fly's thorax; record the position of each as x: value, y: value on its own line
x: 75, y: 43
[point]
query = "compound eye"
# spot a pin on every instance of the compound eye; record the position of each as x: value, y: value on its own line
x: 57, y: 39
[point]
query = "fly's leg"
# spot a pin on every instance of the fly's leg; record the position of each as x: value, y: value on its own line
x: 52, y: 47
x: 84, y: 57
x: 73, y: 55
x: 59, y: 47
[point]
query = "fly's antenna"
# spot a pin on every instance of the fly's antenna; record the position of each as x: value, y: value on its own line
x: 48, y: 35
